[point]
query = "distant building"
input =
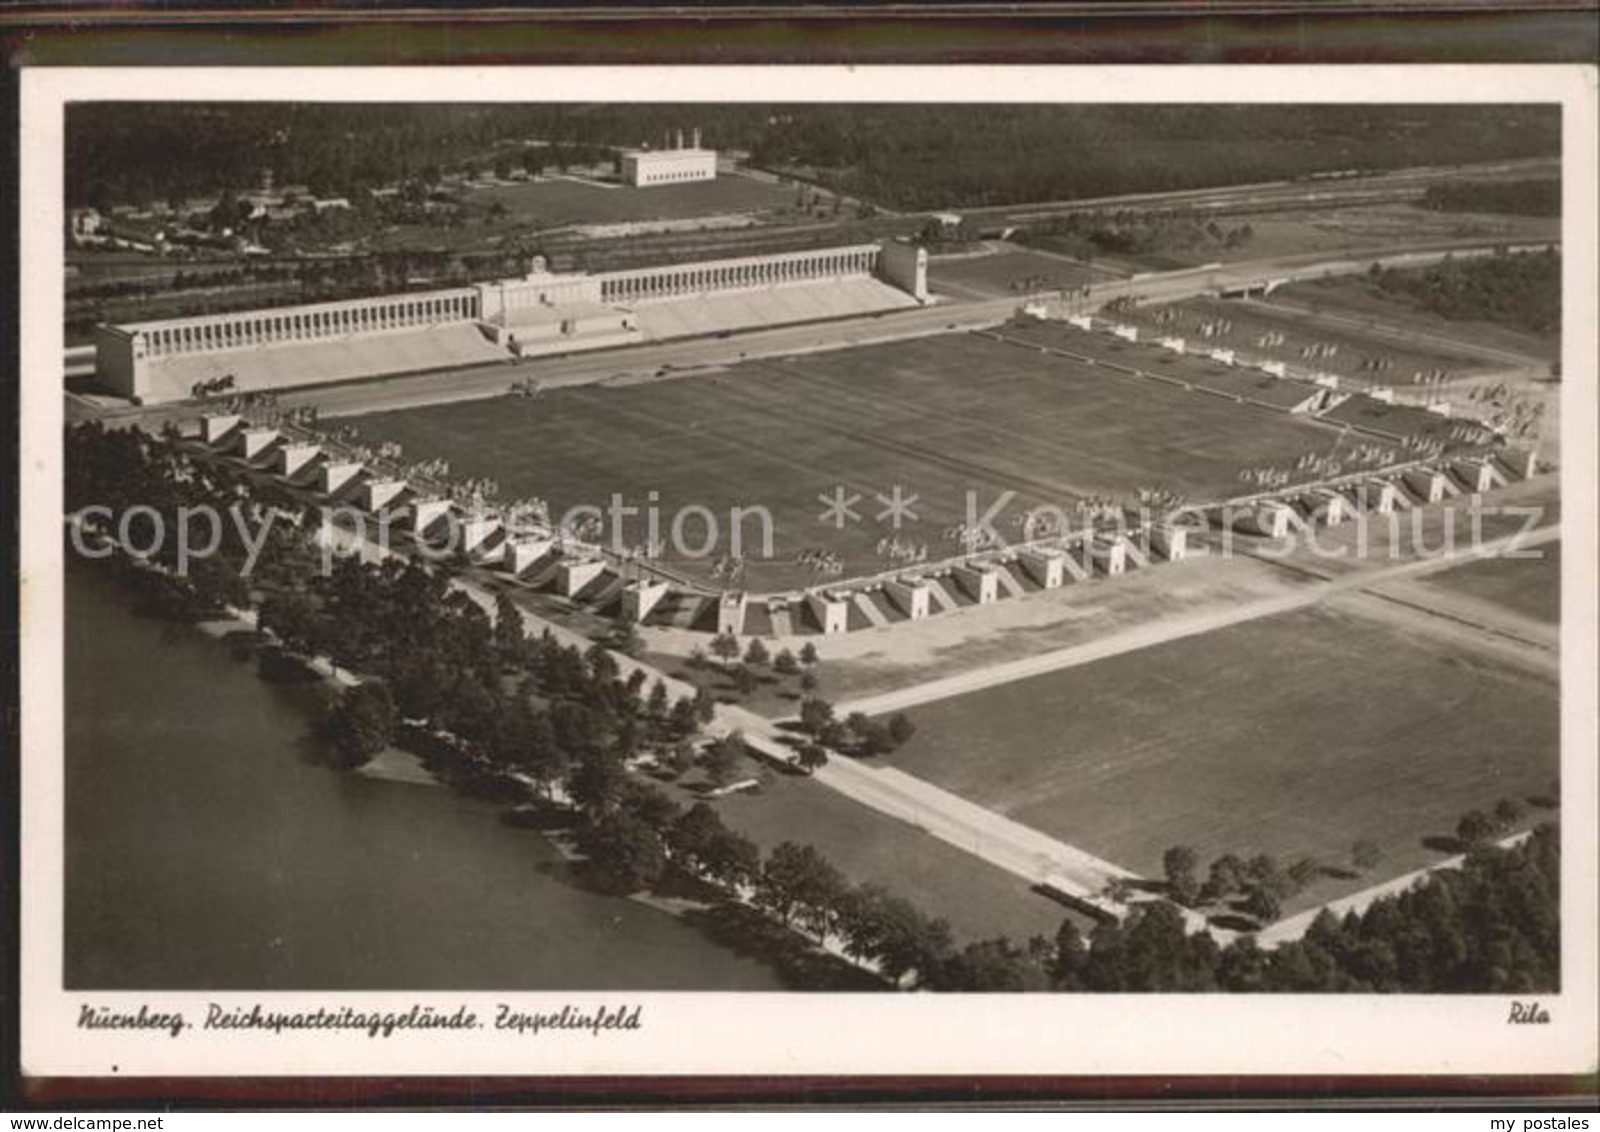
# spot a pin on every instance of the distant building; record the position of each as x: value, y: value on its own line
x: 678, y: 165
x: 86, y: 222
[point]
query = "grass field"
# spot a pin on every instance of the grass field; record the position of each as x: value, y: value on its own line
x: 1355, y: 298
x: 1294, y: 735
x: 975, y: 898
x: 939, y: 417
x: 1529, y: 586
x: 1007, y: 273
x: 554, y: 203
x: 1250, y: 324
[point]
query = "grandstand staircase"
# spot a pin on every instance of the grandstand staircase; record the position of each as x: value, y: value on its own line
x: 869, y: 609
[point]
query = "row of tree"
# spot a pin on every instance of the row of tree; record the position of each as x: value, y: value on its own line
x: 935, y: 156
x: 1136, y: 232
x: 1521, y: 291
x: 1515, y: 198
x: 1492, y: 926
x: 909, y: 156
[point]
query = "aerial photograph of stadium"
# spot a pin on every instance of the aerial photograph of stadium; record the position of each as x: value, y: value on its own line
x: 813, y: 547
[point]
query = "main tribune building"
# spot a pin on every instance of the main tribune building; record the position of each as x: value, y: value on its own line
x: 539, y: 314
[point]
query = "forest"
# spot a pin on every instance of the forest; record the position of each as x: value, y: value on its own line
x: 1521, y: 291
x: 1512, y: 198
x: 919, y: 156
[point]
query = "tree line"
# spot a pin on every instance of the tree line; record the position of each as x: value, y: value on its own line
x: 908, y: 156
x: 1513, y: 198
x: 954, y: 156
x: 1135, y: 232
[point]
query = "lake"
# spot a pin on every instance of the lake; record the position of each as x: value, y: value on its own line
x: 208, y: 847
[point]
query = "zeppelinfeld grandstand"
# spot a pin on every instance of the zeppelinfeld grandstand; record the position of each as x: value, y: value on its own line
x: 541, y: 313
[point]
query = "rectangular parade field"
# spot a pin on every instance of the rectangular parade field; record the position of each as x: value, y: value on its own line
x: 1009, y: 272
x: 1301, y: 338
x: 1358, y: 301
x: 937, y: 417
x: 1294, y: 735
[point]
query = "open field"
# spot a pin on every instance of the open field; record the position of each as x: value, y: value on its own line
x: 1391, y: 421
x: 549, y: 204
x: 939, y: 417
x: 1008, y: 272
x: 1528, y: 586
x: 1260, y: 330
x: 1356, y: 299
x: 1293, y: 735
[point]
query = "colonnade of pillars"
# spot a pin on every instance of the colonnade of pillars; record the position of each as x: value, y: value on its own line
x: 252, y: 328
x: 718, y: 275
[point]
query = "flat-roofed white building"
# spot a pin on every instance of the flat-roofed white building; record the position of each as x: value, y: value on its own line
x: 679, y: 165
x: 540, y: 313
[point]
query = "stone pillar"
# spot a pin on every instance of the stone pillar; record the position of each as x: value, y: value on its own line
x: 641, y: 597
x: 1331, y: 507
x: 906, y: 267
x: 473, y: 532
x: 337, y: 474
x: 730, y: 613
x: 522, y: 553
x: 1045, y: 564
x: 292, y: 458
x: 980, y: 580
x: 1272, y: 520
x: 375, y: 495
x: 257, y: 440
x: 1170, y: 541
x: 1382, y: 496
x: 1427, y: 484
x: 831, y: 612
x: 1478, y: 475
x: 575, y: 573
x: 426, y: 512
x: 911, y: 595
x: 214, y: 427
x: 1110, y: 555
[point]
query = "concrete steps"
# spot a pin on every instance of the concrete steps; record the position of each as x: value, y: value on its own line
x: 1009, y: 586
x: 869, y: 609
x: 939, y: 600
x: 1073, y: 565
x: 757, y: 620
x: 603, y: 590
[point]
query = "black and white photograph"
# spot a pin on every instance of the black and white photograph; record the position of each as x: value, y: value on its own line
x: 871, y: 573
